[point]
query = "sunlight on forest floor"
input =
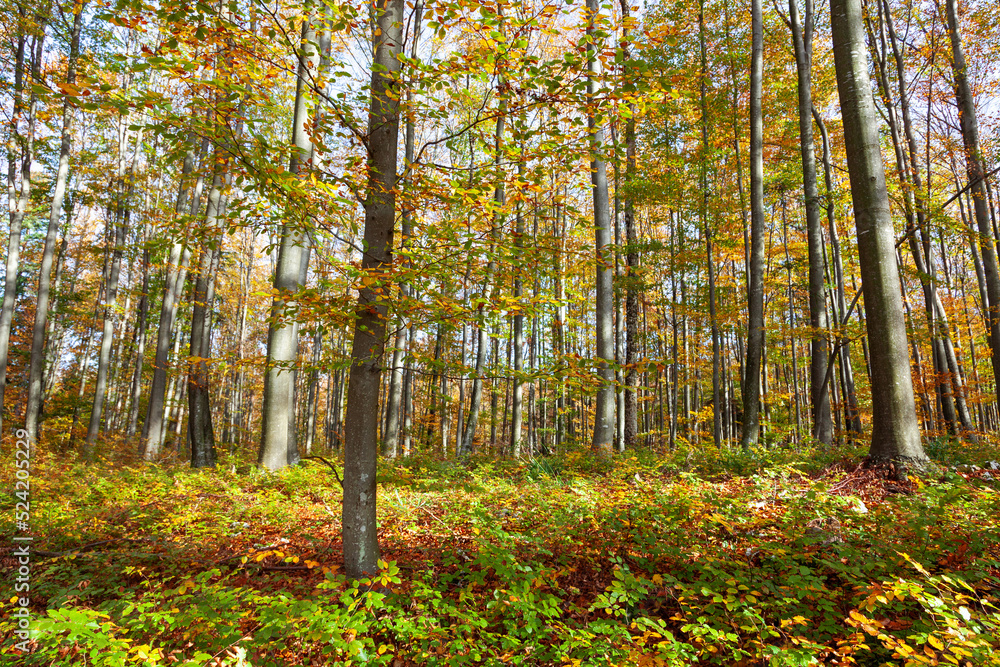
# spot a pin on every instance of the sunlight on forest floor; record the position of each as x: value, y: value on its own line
x: 734, y: 559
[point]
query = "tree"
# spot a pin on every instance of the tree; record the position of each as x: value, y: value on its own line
x: 361, y: 551
x: 895, y: 431
x: 755, y: 281
x: 632, y: 276
x: 278, y: 446
x: 118, y: 214
x: 27, y: 53
x: 977, y: 184
x: 802, y: 35
x: 37, y: 364
x: 153, y: 429
x: 604, y: 415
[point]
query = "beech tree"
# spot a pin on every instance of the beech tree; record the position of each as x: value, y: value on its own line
x: 38, y: 356
x: 895, y: 432
x: 604, y: 411
x: 361, y: 550
x: 278, y: 444
x: 755, y: 279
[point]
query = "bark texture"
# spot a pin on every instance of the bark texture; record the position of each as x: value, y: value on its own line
x: 755, y: 281
x: 895, y: 431
x: 361, y: 551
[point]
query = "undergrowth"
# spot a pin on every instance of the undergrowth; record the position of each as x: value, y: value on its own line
x: 767, y: 557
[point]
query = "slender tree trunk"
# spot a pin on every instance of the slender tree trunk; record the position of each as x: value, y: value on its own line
x: 201, y: 433
x: 120, y: 216
x: 976, y: 175
x: 755, y: 281
x: 632, y: 266
x: 895, y: 431
x: 312, y: 402
x: 852, y: 413
x: 822, y: 428
x: 18, y: 198
x: 237, y: 428
x: 153, y: 431
x: 390, y: 436
x: 36, y: 366
x: 278, y: 446
x: 140, y: 350
x: 361, y: 550
x: 604, y: 415
x: 713, y: 314
x: 517, y: 400
x: 499, y: 198
x: 494, y: 392
x: 55, y: 329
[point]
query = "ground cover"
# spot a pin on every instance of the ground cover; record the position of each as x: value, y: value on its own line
x: 733, y: 559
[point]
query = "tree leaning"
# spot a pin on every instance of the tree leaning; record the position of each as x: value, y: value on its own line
x: 895, y: 431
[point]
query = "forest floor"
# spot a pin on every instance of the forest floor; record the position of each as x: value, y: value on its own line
x: 765, y: 558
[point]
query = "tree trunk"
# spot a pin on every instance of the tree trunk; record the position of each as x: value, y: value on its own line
x: 361, y: 551
x: 976, y: 175
x: 517, y: 400
x: 895, y: 431
x: 390, y: 436
x: 499, y: 198
x: 852, y: 413
x: 604, y: 415
x: 201, y: 433
x: 278, y: 446
x: 120, y: 215
x: 36, y: 366
x: 312, y: 401
x: 755, y: 281
x: 153, y: 431
x: 822, y: 428
x: 17, y: 200
x: 140, y: 350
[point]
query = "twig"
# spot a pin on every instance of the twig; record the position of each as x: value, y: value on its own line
x: 85, y: 548
x: 332, y: 467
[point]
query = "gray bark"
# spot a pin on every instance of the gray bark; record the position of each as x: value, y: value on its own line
x: 36, y: 367
x: 822, y: 427
x: 278, y: 447
x: 604, y: 413
x: 153, y: 431
x: 361, y: 550
x: 851, y: 412
x: 201, y: 434
x: 709, y: 251
x: 499, y: 197
x: 755, y: 280
x: 390, y: 439
x: 517, y: 398
x: 895, y: 431
x: 140, y: 346
x: 631, y: 272
x: 17, y: 197
x: 976, y: 175
x: 312, y: 401
x: 116, y: 239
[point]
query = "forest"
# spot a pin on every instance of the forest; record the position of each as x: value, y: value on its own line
x: 479, y: 332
